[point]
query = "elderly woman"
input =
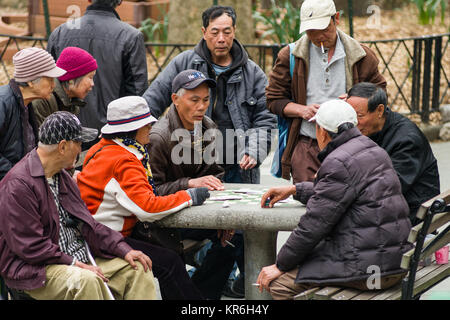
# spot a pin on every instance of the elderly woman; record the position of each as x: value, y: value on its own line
x: 72, y: 87
x: 356, y: 216
x: 34, y: 73
x: 117, y: 186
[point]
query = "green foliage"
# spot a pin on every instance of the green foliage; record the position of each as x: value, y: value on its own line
x: 282, y: 22
x: 154, y: 30
x: 428, y: 10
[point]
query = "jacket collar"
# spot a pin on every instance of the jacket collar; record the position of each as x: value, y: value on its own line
x: 353, y: 50
x: 99, y: 7
x: 337, y: 142
x: 134, y: 151
x: 16, y: 91
x: 37, y: 170
x: 240, y: 56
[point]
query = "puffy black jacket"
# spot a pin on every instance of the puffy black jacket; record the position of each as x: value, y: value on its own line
x: 13, y: 136
x: 412, y: 158
x: 356, y: 216
x: 120, y: 53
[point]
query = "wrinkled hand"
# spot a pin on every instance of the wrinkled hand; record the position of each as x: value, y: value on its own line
x: 225, y: 235
x: 277, y: 194
x: 309, y: 111
x: 133, y: 255
x: 210, y: 182
x: 247, y: 162
x: 267, y: 275
x: 94, y: 269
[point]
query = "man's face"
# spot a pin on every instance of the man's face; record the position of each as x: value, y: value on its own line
x: 192, y: 105
x: 326, y: 36
x: 368, y: 122
x: 219, y: 36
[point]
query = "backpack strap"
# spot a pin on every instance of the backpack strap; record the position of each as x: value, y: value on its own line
x: 291, y: 59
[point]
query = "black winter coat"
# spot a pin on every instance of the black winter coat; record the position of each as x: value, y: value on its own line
x: 13, y: 139
x: 412, y: 158
x: 356, y: 216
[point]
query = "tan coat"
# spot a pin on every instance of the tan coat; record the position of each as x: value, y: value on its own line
x: 361, y: 65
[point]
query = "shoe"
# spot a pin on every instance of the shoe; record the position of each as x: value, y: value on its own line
x: 238, y: 286
x: 228, y: 292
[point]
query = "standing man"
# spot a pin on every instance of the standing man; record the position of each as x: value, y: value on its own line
x: 237, y: 105
x: 120, y: 53
x: 327, y: 63
x: 408, y: 148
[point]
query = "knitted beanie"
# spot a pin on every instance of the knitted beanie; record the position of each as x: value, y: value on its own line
x: 33, y: 63
x: 77, y: 62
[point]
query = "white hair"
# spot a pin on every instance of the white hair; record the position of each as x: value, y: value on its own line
x: 49, y: 148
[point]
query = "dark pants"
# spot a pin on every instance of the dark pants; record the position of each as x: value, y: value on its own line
x: 169, y: 269
x: 212, y: 275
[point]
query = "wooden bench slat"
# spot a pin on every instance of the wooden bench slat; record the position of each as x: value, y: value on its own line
x: 438, y: 221
x: 346, y: 294
x: 406, y: 259
x: 384, y: 294
x: 326, y: 293
x: 365, y: 295
x: 427, y: 281
x: 424, y: 207
x: 307, y: 295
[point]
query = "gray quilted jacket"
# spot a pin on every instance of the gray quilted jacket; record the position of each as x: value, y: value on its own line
x: 356, y: 216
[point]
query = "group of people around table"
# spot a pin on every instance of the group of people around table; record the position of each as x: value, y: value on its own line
x: 87, y: 152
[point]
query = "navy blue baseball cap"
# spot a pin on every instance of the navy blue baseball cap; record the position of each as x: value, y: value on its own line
x: 190, y: 79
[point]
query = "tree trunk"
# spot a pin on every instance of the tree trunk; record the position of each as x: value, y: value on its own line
x: 185, y: 20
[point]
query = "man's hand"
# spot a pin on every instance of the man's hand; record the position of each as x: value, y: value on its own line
x: 225, y: 235
x: 295, y: 110
x: 210, y: 182
x: 94, y: 269
x: 277, y: 194
x: 267, y: 275
x: 133, y: 255
x: 247, y: 162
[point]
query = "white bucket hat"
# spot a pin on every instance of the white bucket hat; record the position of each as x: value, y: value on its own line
x: 316, y: 14
x: 333, y: 113
x: 127, y: 114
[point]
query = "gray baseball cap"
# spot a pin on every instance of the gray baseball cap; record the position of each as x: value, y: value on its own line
x: 190, y: 79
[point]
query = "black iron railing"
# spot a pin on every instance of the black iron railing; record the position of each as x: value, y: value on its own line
x: 417, y: 69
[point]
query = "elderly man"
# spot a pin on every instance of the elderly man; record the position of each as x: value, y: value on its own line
x: 405, y: 143
x: 356, y: 216
x: 179, y: 165
x: 327, y: 63
x: 120, y: 53
x: 237, y: 105
x: 34, y: 73
x: 49, y: 256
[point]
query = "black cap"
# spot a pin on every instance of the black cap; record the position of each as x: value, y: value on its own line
x: 63, y: 125
x: 190, y: 79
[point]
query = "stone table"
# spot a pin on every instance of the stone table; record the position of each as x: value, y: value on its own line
x: 260, y: 226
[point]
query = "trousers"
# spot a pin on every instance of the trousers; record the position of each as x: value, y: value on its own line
x: 285, y: 288
x: 304, y: 161
x: 65, y: 282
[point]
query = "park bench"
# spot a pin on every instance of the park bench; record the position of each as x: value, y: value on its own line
x: 435, y: 214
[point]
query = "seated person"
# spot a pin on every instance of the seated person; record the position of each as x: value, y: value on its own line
x: 407, y: 146
x: 46, y: 230
x: 191, y: 163
x: 356, y: 216
x: 34, y: 73
x: 72, y: 87
x: 117, y: 186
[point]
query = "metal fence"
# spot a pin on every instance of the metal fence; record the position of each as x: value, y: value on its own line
x: 417, y: 69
